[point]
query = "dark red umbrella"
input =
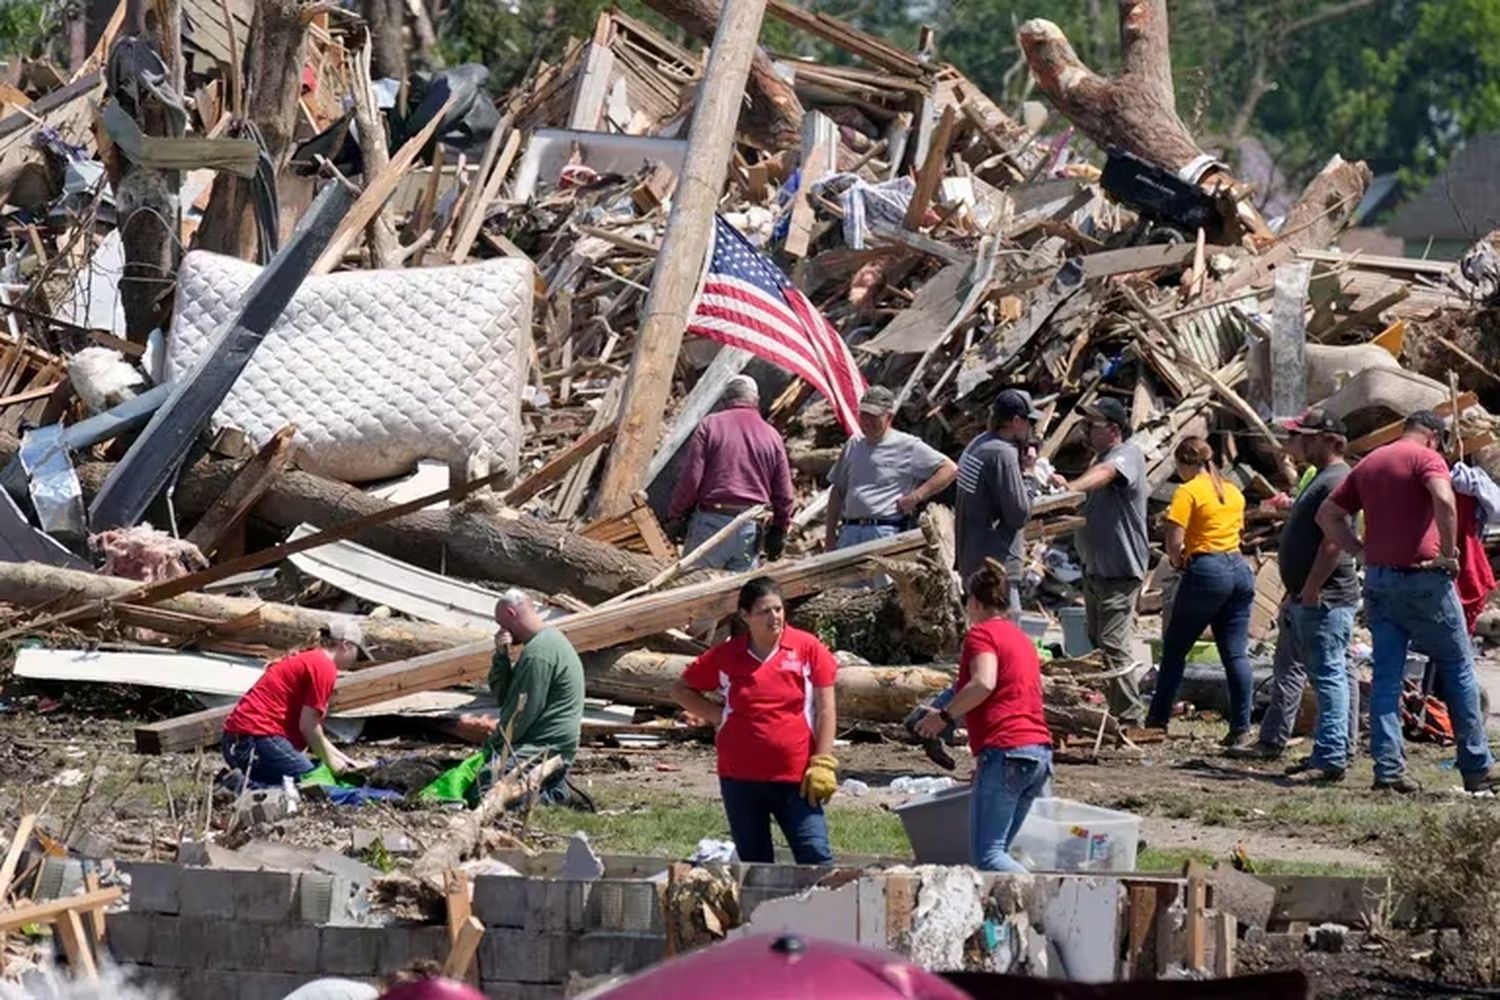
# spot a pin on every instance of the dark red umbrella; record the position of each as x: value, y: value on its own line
x: 773, y: 967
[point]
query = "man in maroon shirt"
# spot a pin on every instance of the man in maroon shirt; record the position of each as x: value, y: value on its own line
x: 1411, y: 557
x: 734, y: 461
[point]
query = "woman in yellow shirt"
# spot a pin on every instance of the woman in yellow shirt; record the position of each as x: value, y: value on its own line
x: 1203, y: 528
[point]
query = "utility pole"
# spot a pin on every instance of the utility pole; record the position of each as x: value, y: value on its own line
x: 680, y: 261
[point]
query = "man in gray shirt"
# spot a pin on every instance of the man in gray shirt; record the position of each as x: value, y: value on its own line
x: 882, y: 476
x: 993, y: 503
x: 1113, y: 547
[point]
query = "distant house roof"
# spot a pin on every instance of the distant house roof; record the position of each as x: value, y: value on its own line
x: 1462, y: 203
x: 204, y: 29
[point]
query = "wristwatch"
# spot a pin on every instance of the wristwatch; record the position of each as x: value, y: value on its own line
x: 943, y: 714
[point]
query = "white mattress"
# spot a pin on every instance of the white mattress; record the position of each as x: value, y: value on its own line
x: 377, y: 369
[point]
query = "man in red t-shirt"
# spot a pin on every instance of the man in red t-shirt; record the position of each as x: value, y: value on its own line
x: 775, y: 725
x: 1411, y: 557
x: 282, y: 714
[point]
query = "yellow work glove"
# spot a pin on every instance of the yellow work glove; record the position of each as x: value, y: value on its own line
x: 821, y: 779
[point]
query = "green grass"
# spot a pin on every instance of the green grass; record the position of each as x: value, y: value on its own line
x: 671, y: 826
x: 1171, y: 860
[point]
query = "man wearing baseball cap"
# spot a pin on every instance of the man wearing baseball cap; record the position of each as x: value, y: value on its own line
x: 1411, y: 557
x: 882, y: 476
x: 281, y: 716
x: 1318, y: 615
x: 1112, y: 544
x: 993, y: 504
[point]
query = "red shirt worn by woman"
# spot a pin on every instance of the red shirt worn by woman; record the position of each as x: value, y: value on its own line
x: 1012, y: 716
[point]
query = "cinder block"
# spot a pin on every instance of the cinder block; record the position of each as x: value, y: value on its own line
x: 400, y: 946
x: 602, y: 953
x: 628, y: 906
x: 129, y: 937
x: 293, y: 948
x: 499, y: 990
x: 349, y: 951
x: 500, y: 900
x: 507, y: 955
x: 554, y: 905
x: 259, y: 896
x: 180, y: 943
x: 153, y: 887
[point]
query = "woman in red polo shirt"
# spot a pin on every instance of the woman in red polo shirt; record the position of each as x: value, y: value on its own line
x: 775, y: 727
x: 1000, y: 700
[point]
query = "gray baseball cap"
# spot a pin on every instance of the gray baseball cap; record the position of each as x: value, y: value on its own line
x: 345, y: 630
x: 877, y: 400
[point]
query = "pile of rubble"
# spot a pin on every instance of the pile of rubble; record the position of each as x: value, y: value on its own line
x: 469, y: 306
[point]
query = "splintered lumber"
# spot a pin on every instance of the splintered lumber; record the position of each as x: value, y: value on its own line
x: 13, y: 855
x: 874, y: 694
x: 674, y: 282
x: 249, y: 485
x: 280, y: 626
x: 597, y: 628
x: 432, y: 867
x: 44, y: 913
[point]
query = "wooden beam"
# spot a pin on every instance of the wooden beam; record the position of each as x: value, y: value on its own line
x: 249, y: 485
x: 559, y: 465
x: 932, y: 170
x: 77, y: 946
x: 13, y: 856
x: 597, y: 628
x: 41, y: 913
x: 873, y: 50
x: 684, y: 246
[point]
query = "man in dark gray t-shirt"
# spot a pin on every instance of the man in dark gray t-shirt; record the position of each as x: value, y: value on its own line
x: 1112, y: 544
x: 993, y: 505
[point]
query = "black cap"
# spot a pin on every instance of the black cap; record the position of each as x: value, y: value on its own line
x: 1427, y: 419
x: 1111, y: 410
x: 1012, y: 403
x: 1316, y: 421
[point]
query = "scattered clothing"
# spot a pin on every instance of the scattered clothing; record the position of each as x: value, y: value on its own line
x: 734, y: 460
x: 992, y: 507
x: 1419, y: 608
x: 550, y: 675
x: 1301, y: 539
x: 1470, y: 480
x: 1476, y: 578
x: 1210, y: 522
x: 1112, y: 542
x: 1390, y: 486
x: 873, y: 476
x: 273, y: 705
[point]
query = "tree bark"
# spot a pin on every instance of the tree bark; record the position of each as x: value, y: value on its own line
x: 274, y: 57
x: 774, y: 118
x: 875, y: 694
x: 386, y: 19
x: 481, y: 543
x: 281, y: 626
x: 1135, y: 111
x: 374, y: 153
x: 1326, y: 206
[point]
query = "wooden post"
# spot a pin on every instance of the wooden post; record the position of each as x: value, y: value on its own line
x: 680, y: 261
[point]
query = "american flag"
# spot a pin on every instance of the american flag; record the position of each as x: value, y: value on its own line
x: 747, y: 303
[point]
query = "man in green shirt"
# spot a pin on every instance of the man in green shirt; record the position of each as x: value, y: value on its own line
x: 549, y: 675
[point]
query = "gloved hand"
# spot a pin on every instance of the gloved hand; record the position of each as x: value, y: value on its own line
x: 775, y: 542
x: 677, y: 529
x: 821, y: 779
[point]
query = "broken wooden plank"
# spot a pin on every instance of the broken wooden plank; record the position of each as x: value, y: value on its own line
x: 932, y: 170
x: 38, y: 913
x: 13, y: 855
x: 249, y: 485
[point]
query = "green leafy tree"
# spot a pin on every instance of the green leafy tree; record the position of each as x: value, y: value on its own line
x: 26, y: 26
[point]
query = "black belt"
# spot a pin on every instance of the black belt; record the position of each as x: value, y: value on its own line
x: 725, y: 508
x: 865, y: 522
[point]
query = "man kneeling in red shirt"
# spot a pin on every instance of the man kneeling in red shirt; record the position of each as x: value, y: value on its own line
x: 775, y: 728
x: 282, y: 713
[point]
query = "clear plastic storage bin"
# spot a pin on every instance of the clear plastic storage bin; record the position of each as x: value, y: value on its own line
x: 1058, y: 835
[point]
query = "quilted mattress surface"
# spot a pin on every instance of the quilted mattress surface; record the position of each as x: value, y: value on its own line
x: 376, y: 369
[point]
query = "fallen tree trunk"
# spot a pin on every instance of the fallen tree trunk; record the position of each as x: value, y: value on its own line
x: 481, y: 542
x: 774, y: 118
x: 280, y: 626
x: 875, y: 694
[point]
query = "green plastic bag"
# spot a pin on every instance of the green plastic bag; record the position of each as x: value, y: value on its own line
x: 456, y: 783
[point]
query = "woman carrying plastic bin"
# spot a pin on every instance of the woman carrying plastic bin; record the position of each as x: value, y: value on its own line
x: 1203, y: 528
x: 1000, y: 701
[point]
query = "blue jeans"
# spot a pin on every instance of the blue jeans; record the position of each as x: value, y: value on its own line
x: 267, y: 759
x: 1216, y: 590
x: 1006, y: 782
x: 1323, y: 634
x: 737, y: 553
x: 751, y: 805
x: 855, y: 534
x: 1420, y: 609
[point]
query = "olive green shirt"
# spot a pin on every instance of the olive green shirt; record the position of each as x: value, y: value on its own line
x: 550, y: 675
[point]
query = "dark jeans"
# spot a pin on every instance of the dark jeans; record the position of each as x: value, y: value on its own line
x: 267, y: 759
x: 1217, y: 590
x: 751, y: 805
